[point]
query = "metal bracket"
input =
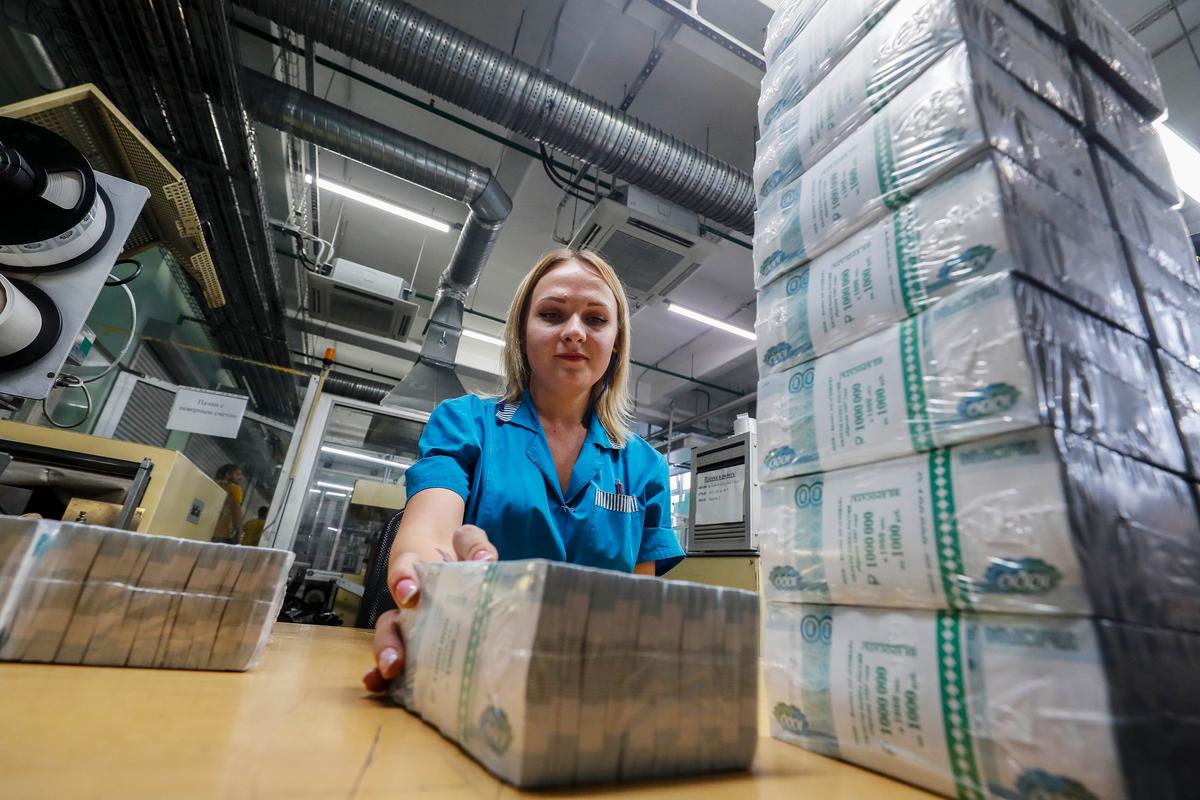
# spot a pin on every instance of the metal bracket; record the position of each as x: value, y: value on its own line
x: 689, y: 15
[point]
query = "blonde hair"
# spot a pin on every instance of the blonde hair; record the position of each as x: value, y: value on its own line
x: 611, y: 402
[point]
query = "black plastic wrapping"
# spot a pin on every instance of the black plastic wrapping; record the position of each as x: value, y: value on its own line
x: 1046, y: 13
x: 1182, y: 384
x: 1096, y: 380
x: 1154, y: 697
x: 1137, y: 535
x: 1145, y: 220
x: 1171, y: 307
x: 1128, y: 134
x: 1098, y: 37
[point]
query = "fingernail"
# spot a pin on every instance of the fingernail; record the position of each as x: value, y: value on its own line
x: 387, y: 660
x: 405, y: 589
x: 482, y: 555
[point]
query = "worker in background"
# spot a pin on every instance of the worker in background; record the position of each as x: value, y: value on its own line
x: 550, y: 470
x: 229, y: 527
x: 252, y: 530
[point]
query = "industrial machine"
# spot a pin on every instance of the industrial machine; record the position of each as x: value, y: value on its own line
x: 725, y: 501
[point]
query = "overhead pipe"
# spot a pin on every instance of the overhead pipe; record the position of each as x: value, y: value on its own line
x: 327, y: 125
x: 403, y: 41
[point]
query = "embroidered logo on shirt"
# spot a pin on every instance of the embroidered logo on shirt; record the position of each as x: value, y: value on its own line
x: 612, y: 501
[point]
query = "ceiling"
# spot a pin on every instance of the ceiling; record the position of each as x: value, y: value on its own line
x: 698, y: 92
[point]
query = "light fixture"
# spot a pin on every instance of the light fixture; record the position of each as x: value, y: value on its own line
x: 379, y: 203
x: 337, y: 486
x: 707, y: 320
x: 335, y: 494
x: 482, y: 337
x: 338, y: 451
x: 1184, y: 160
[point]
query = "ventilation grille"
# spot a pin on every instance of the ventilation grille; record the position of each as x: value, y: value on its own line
x: 145, y: 417
x: 640, y: 264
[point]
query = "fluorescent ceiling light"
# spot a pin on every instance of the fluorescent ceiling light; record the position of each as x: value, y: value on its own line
x: 1184, y: 159
x: 335, y: 494
x: 482, y: 337
x: 338, y: 451
x: 337, y: 486
x: 707, y: 320
x: 379, y: 203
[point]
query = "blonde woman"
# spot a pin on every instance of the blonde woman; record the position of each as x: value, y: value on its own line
x: 550, y: 470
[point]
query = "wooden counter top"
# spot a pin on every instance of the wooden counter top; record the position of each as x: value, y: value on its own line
x: 299, y: 726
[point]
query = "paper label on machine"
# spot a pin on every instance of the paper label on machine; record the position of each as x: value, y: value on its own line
x: 720, y: 495
x: 211, y: 413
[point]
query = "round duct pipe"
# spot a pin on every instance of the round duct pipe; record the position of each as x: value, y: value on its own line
x: 403, y: 41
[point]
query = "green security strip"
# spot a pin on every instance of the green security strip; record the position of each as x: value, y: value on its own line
x: 911, y: 288
x: 885, y: 163
x: 945, y: 517
x: 914, y: 387
x: 478, y: 625
x: 959, y: 744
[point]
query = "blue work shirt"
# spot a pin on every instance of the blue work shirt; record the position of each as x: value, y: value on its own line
x: 615, y: 513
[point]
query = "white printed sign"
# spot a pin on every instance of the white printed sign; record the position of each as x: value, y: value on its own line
x: 212, y: 413
x: 720, y: 495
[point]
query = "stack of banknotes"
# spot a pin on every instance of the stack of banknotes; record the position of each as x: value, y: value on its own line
x: 81, y: 594
x: 551, y: 674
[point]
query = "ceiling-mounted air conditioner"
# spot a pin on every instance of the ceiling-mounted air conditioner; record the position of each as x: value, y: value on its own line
x: 361, y: 298
x: 653, y: 244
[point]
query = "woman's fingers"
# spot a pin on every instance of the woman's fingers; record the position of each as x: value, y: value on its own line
x: 403, y: 581
x: 471, y: 544
x: 389, y: 653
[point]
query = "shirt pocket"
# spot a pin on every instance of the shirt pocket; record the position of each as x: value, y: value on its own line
x: 620, y: 503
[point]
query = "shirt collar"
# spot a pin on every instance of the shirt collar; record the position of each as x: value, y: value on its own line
x: 524, y: 415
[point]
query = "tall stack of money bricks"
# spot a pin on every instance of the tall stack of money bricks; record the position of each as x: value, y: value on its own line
x: 978, y: 330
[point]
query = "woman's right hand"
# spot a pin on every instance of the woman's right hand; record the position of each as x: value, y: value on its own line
x: 470, y: 543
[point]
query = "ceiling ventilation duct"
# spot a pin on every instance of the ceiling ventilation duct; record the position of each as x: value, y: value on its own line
x: 403, y: 41
x: 432, y: 378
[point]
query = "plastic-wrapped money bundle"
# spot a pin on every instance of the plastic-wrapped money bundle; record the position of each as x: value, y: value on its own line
x: 896, y: 51
x: 812, y: 38
x: 1182, y: 385
x: 1034, y: 522
x: 978, y: 706
x: 999, y: 356
x: 552, y: 674
x: 942, y: 121
x: 1094, y: 34
x: 993, y: 217
x: 1126, y: 133
x: 79, y: 594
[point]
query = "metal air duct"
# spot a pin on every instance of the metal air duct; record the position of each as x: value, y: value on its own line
x: 320, y: 122
x: 403, y: 41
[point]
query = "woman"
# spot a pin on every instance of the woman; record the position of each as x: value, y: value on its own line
x: 548, y: 471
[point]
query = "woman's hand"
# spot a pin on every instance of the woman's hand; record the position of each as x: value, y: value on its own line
x: 469, y: 543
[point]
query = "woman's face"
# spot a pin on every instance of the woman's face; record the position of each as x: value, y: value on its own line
x: 571, y: 328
